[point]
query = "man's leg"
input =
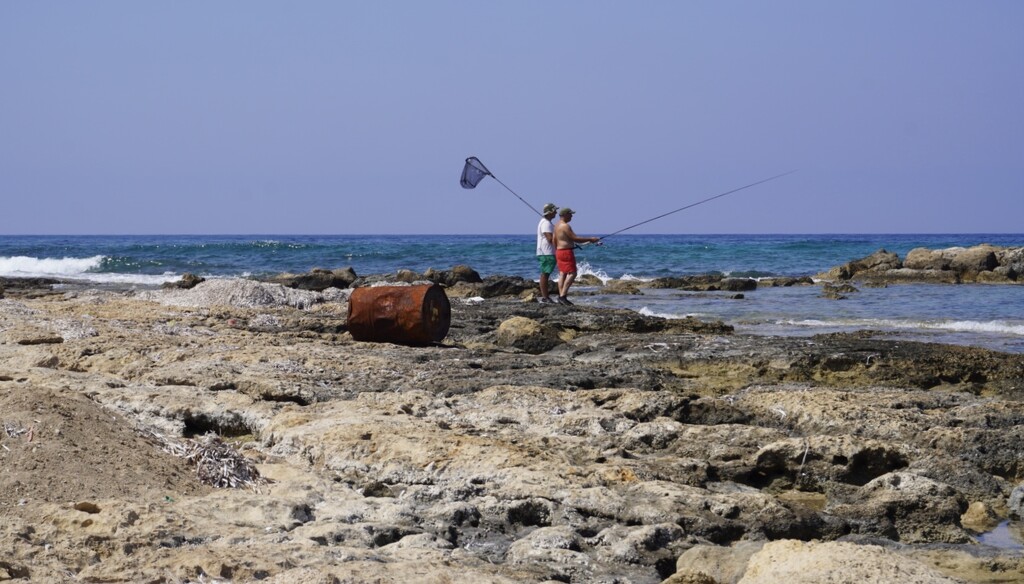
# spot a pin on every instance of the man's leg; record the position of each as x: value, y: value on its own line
x: 543, y: 285
x: 564, y: 284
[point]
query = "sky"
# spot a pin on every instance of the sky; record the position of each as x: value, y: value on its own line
x: 345, y: 117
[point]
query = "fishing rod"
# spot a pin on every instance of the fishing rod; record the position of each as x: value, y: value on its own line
x: 475, y: 171
x: 701, y: 202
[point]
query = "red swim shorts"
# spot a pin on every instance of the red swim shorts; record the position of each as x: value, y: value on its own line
x: 566, y: 261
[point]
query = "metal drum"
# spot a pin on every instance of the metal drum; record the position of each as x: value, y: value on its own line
x: 406, y: 315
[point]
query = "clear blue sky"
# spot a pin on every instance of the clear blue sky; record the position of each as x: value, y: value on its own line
x: 355, y: 117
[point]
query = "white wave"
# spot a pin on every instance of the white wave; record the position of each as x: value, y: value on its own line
x: 669, y: 315
x: 970, y: 326
x: 585, y: 269
x: 28, y: 267
x: 74, y: 269
x: 631, y: 277
x: 957, y: 326
x: 140, y: 279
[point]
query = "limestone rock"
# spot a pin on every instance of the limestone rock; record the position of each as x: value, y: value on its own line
x: 234, y: 292
x: 906, y: 507
x: 797, y: 562
x: 527, y: 335
x: 188, y: 280
x: 407, y: 276
x: 834, y: 292
x: 653, y: 545
x: 318, y: 279
x: 999, y: 275
x: 451, y: 277
x: 602, y: 459
x: 980, y: 263
x: 1013, y: 259
x: 704, y: 283
x: 786, y: 281
x: 738, y: 284
x: 1016, y: 502
x: 720, y: 564
x: 493, y: 287
x: 979, y: 517
x: 879, y: 261
x: 921, y: 258
x: 969, y: 262
x: 621, y: 287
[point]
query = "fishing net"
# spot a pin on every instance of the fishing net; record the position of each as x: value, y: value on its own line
x: 473, y: 173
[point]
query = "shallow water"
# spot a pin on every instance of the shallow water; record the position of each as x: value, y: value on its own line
x: 1007, y: 535
x: 990, y: 316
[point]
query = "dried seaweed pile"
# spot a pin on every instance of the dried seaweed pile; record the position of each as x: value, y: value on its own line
x: 217, y: 464
x: 16, y: 430
x: 13, y: 429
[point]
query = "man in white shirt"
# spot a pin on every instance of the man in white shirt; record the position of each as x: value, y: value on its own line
x: 546, y: 250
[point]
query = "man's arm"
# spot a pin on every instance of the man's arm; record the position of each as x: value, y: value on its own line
x: 576, y: 239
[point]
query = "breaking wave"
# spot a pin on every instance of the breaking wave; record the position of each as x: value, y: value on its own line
x: 1000, y: 327
x: 28, y: 267
x: 74, y: 269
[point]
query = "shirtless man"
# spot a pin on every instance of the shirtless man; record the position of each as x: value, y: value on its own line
x: 565, y: 240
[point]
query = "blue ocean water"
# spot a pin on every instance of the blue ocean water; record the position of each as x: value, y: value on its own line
x: 982, y: 315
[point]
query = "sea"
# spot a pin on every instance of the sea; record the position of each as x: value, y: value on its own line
x: 982, y: 315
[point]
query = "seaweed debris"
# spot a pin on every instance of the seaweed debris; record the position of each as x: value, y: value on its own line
x: 217, y: 463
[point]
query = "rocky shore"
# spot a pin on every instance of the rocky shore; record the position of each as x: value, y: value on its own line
x: 955, y: 265
x: 233, y: 431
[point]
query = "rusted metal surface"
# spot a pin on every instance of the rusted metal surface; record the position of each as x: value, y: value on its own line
x: 406, y: 315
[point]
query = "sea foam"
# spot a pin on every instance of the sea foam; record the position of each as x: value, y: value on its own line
x: 585, y: 269
x: 28, y: 267
x: 74, y: 269
x: 1001, y: 327
x: 668, y: 315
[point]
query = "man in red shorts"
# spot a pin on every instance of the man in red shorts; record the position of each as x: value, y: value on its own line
x: 565, y: 241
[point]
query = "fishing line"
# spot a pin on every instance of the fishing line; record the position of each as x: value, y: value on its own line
x: 701, y: 202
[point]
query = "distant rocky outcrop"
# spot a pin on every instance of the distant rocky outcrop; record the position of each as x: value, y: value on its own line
x: 879, y: 261
x: 981, y: 263
x: 188, y: 281
x: 460, y: 273
x: 493, y: 287
x: 317, y: 279
x: 837, y: 292
x: 785, y: 282
x: 705, y: 283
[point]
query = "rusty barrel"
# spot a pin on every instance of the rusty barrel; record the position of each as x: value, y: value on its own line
x: 407, y: 315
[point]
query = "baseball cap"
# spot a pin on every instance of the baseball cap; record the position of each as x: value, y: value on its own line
x: 550, y: 208
x: 566, y: 211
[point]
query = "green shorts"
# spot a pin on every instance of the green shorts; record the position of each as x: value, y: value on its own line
x: 547, y: 263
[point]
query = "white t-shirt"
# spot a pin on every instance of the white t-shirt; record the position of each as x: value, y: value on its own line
x: 544, y: 247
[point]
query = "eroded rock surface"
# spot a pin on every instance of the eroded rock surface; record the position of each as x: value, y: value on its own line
x: 608, y: 454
